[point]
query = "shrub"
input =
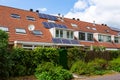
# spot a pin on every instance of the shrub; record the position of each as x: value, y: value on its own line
x: 46, y: 54
x: 5, y: 61
x: 49, y: 71
x: 97, y: 67
x: 75, y: 54
x: 79, y: 67
x: 115, y: 64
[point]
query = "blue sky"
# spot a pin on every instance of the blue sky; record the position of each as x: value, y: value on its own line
x: 102, y: 12
x: 51, y: 6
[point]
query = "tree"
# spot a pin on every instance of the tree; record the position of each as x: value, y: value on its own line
x: 4, y: 56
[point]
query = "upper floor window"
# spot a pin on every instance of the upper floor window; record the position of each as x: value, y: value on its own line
x: 59, y: 33
x: 15, y: 16
x: 70, y: 34
x: 30, y: 18
x: 104, y: 38
x: 116, y: 39
x: 4, y: 29
x: 20, y: 30
x: 89, y: 36
x: 81, y: 36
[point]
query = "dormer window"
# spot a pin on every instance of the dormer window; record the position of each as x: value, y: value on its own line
x: 20, y: 30
x: 74, y: 25
x: 15, y: 16
x: 30, y: 18
x: 4, y: 29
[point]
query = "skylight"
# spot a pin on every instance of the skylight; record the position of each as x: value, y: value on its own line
x: 4, y: 29
x: 74, y: 25
x: 88, y: 27
x: 30, y: 18
x: 15, y: 16
x: 37, y: 32
x: 20, y: 30
x: 93, y: 28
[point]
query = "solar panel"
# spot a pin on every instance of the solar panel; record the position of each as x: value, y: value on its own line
x: 64, y: 26
x: 56, y: 40
x: 46, y: 25
x: 50, y: 17
x: 66, y: 41
x: 74, y: 42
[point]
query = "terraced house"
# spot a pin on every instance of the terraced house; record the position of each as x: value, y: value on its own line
x: 29, y: 29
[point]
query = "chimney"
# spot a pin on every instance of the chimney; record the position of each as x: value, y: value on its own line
x: 93, y: 23
x: 37, y: 11
x: 62, y: 18
x: 78, y: 19
x: 31, y: 10
x: 73, y: 18
x: 59, y: 16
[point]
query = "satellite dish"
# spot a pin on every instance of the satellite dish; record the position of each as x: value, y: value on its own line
x: 31, y: 27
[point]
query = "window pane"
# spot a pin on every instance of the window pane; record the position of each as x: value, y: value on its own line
x: 108, y: 38
x: 90, y: 37
x: 15, y: 16
x: 4, y: 29
x: 100, y: 38
x: 81, y: 36
x: 71, y: 36
x: 37, y: 32
x: 116, y: 40
x: 19, y: 30
x: 61, y: 33
x: 68, y: 34
x: 30, y: 18
x: 57, y: 33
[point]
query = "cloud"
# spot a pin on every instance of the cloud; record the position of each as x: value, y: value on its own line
x: 42, y: 9
x: 107, y: 11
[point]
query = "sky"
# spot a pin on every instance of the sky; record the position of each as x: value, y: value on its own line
x: 100, y: 11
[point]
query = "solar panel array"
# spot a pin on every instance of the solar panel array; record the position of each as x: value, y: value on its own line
x: 45, y: 16
x: 64, y: 41
x: 52, y: 25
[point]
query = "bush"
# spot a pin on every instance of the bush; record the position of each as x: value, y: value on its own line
x: 115, y: 65
x: 79, y: 67
x: 49, y: 71
x: 46, y: 54
x: 97, y: 67
x: 75, y: 54
x: 5, y: 61
x: 23, y: 62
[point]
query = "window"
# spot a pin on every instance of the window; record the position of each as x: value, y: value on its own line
x: 108, y: 38
x: 20, y: 30
x: 30, y: 18
x: 4, y: 29
x: 100, y: 38
x: 81, y: 36
x: 59, y: 33
x: 74, y: 25
x: 104, y: 38
x: 88, y: 27
x: 37, y: 32
x: 70, y: 34
x: 15, y: 16
x: 116, y: 39
x: 89, y: 37
x: 94, y: 29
